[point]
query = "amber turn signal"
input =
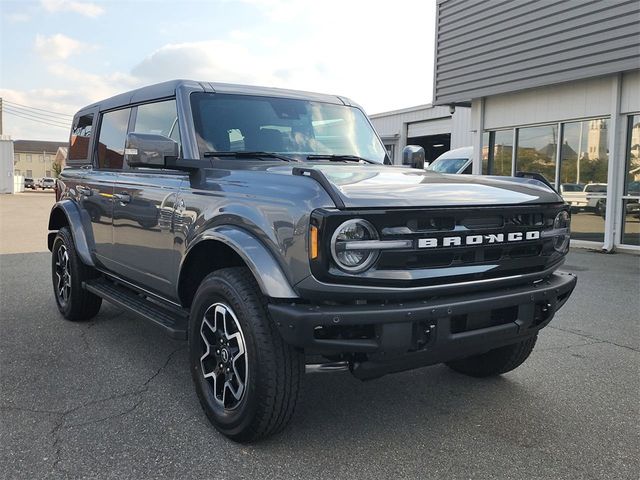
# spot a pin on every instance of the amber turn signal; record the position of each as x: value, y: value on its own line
x: 313, y: 242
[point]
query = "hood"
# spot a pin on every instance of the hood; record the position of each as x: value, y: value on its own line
x: 364, y: 186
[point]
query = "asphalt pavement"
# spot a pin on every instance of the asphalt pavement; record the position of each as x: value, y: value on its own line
x: 113, y: 398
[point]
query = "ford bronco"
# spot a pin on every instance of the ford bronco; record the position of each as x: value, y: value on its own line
x: 267, y: 228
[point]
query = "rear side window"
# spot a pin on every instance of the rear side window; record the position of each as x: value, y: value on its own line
x: 113, y: 132
x: 80, y: 136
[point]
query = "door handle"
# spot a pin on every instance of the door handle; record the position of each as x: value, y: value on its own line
x: 87, y: 192
x: 123, y: 197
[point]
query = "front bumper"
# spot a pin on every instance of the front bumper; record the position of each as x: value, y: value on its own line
x: 400, y: 336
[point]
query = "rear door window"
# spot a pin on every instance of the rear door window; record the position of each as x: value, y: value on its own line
x: 113, y: 132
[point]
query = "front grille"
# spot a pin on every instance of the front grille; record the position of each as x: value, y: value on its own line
x: 523, y: 256
x: 445, y: 263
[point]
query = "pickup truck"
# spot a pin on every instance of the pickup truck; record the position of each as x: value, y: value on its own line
x: 590, y: 197
x: 267, y: 229
x: 29, y: 183
x: 48, y: 183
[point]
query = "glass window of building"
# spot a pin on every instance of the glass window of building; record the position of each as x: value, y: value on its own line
x: 390, y: 148
x: 536, y: 152
x: 29, y: 158
x: 584, y: 166
x: 485, y: 153
x: 30, y: 173
x: 631, y: 197
x: 500, y: 150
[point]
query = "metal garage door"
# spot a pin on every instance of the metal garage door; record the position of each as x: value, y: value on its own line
x: 429, y: 127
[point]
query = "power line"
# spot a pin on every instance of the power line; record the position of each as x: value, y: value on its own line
x: 31, y: 112
x: 66, y: 127
x: 35, y: 117
x: 36, y: 108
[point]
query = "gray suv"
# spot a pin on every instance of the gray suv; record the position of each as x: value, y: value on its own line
x: 266, y: 228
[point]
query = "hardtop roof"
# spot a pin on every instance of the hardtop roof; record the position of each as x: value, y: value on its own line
x: 168, y: 89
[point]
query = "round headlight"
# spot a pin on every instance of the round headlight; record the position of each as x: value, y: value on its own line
x: 344, y: 246
x: 562, y: 226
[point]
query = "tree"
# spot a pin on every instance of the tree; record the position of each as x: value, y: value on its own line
x: 56, y: 169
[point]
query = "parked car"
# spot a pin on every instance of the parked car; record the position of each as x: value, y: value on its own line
x: 48, y: 182
x: 591, y: 198
x: 284, y: 244
x: 457, y: 160
x: 631, y: 205
x: 29, y: 183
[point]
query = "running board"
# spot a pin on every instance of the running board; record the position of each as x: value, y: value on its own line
x: 174, y: 321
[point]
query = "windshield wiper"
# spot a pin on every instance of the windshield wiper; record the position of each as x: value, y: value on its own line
x: 339, y: 158
x: 246, y: 154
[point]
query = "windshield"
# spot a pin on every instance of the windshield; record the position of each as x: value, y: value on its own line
x: 243, y: 123
x: 448, y: 165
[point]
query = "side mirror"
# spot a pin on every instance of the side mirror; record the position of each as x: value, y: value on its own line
x: 413, y: 156
x: 150, y: 150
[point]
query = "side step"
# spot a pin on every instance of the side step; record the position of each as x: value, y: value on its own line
x: 172, y: 320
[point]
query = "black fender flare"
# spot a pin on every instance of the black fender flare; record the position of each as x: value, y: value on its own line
x: 67, y: 209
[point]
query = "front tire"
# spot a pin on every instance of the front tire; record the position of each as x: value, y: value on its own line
x: 68, y: 272
x: 495, y: 362
x: 246, y: 377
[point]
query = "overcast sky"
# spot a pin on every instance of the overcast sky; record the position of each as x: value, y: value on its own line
x: 58, y: 55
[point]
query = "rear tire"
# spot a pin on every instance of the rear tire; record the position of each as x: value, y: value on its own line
x: 68, y: 272
x: 495, y: 362
x: 261, y: 374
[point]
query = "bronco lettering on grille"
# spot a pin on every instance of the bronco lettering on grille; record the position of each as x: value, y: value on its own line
x: 478, y: 239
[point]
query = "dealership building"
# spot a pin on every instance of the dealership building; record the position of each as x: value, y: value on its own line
x: 554, y: 88
x: 436, y: 129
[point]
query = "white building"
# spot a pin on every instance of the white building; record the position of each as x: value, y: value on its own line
x: 6, y: 165
x: 555, y: 90
x: 435, y: 129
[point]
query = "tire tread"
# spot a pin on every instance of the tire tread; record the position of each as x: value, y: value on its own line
x: 84, y: 304
x: 281, y: 376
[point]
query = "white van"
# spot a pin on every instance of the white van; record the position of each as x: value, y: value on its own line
x: 457, y: 160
